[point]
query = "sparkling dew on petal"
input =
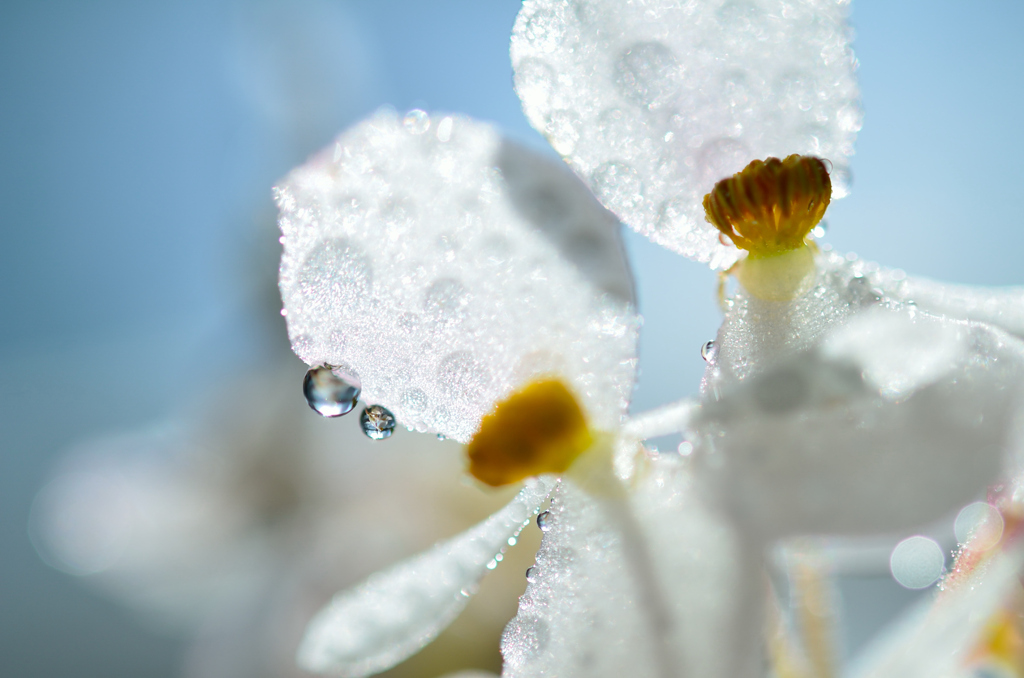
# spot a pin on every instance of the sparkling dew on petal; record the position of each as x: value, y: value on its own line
x: 460, y: 256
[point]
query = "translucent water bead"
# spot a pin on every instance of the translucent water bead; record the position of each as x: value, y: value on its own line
x: 330, y: 391
x: 377, y: 422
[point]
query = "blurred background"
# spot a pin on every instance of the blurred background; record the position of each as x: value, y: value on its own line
x: 138, y: 145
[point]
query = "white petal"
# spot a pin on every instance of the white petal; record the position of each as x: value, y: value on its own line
x: 394, y: 613
x: 653, y: 102
x: 648, y: 590
x: 446, y: 266
x: 896, y: 418
x: 999, y: 306
x: 938, y: 638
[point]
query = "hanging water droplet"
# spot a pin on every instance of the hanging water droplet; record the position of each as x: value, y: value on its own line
x: 416, y: 121
x: 441, y: 437
x: 377, y: 422
x: 818, y: 232
x: 544, y: 521
x: 329, y: 391
x: 708, y: 351
x: 531, y: 574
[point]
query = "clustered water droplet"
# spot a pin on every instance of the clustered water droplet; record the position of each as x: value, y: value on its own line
x: 544, y: 520
x: 330, y: 391
x: 378, y: 423
x: 708, y: 351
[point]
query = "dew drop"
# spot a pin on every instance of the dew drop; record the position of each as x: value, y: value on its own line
x: 445, y: 300
x: 648, y: 73
x: 416, y: 121
x: 544, y: 520
x: 563, y: 131
x: 708, y: 351
x: 414, y: 401
x: 512, y: 541
x: 441, y: 437
x: 377, y: 422
x: 531, y: 574
x: 618, y: 186
x: 330, y: 392
x: 335, y: 276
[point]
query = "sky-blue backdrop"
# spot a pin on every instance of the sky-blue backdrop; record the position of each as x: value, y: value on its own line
x: 138, y: 142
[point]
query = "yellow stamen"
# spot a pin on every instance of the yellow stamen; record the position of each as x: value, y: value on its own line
x: 768, y: 209
x: 771, y: 205
x: 539, y: 429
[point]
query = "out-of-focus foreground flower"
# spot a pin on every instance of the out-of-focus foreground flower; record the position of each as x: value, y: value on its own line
x: 236, y: 524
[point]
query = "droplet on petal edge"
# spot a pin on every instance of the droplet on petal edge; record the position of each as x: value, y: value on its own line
x: 393, y: 614
x: 331, y: 393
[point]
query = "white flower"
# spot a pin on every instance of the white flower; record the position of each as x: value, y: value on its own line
x: 448, y: 268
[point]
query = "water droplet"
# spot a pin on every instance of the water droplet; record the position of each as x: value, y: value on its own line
x: 377, y: 422
x: 445, y: 300
x: 674, y: 217
x: 444, y: 129
x: 414, y: 401
x: 531, y: 574
x: 500, y: 557
x: 563, y: 131
x: 512, y: 541
x: 441, y: 437
x: 493, y: 564
x: 463, y: 377
x: 330, y: 392
x: 416, y: 121
x: 649, y: 74
x: 819, y: 231
x: 708, y: 351
x: 544, y: 520
x: 860, y: 291
x: 334, y: 277
x: 841, y: 179
x: 721, y: 158
x: 619, y: 187
x: 685, y: 448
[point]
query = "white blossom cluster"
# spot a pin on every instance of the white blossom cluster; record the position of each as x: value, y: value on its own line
x: 447, y: 268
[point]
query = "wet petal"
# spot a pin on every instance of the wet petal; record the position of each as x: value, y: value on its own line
x: 446, y: 266
x: 396, y: 612
x: 999, y: 306
x: 646, y: 588
x: 653, y: 102
x: 895, y: 418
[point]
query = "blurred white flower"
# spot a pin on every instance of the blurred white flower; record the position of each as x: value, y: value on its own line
x: 235, y: 525
x: 449, y: 269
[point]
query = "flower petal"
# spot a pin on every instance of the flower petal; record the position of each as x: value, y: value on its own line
x: 938, y: 638
x: 892, y: 420
x: 654, y: 102
x: 396, y: 612
x: 1002, y: 307
x: 648, y: 588
x: 445, y: 266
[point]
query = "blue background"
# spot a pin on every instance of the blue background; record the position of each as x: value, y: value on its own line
x: 138, y: 143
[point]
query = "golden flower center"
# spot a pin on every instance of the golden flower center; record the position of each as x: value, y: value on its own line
x: 538, y: 429
x: 771, y: 205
